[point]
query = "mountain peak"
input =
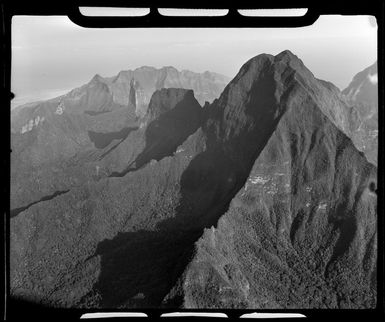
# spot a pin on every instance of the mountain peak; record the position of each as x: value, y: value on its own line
x: 168, y: 68
x: 261, y: 58
x: 145, y: 68
x: 97, y: 78
x: 166, y: 98
x: 122, y: 75
x: 254, y: 64
x: 262, y: 63
x: 266, y: 87
x: 285, y: 55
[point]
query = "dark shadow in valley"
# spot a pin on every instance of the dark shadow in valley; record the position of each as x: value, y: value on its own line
x: 112, y: 148
x: 18, y: 306
x: 138, y: 269
x: 94, y: 113
x: 102, y: 140
x: 168, y: 131
x: 14, y: 212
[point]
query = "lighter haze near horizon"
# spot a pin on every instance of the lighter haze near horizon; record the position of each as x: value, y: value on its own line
x: 51, y: 55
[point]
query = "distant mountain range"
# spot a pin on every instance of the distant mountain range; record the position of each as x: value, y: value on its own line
x: 133, y: 88
x: 132, y: 192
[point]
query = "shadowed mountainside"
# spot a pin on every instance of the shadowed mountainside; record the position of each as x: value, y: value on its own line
x: 102, y: 140
x: 267, y: 164
x: 300, y: 233
x: 173, y: 114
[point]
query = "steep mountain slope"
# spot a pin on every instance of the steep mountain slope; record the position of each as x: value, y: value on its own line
x: 364, y: 88
x: 81, y: 220
x: 362, y: 97
x: 73, y: 148
x: 53, y: 141
x: 64, y: 141
x: 129, y: 239
x: 92, y: 98
x: 301, y: 233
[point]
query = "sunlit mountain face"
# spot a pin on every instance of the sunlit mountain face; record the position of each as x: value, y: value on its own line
x: 362, y: 96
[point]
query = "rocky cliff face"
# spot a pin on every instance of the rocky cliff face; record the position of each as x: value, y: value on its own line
x: 364, y: 88
x: 362, y: 98
x: 137, y: 98
x: 206, y: 86
x: 259, y: 200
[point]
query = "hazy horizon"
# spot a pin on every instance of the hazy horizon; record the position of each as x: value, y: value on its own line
x: 51, y: 55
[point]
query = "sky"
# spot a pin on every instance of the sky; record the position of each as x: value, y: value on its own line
x: 51, y: 55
